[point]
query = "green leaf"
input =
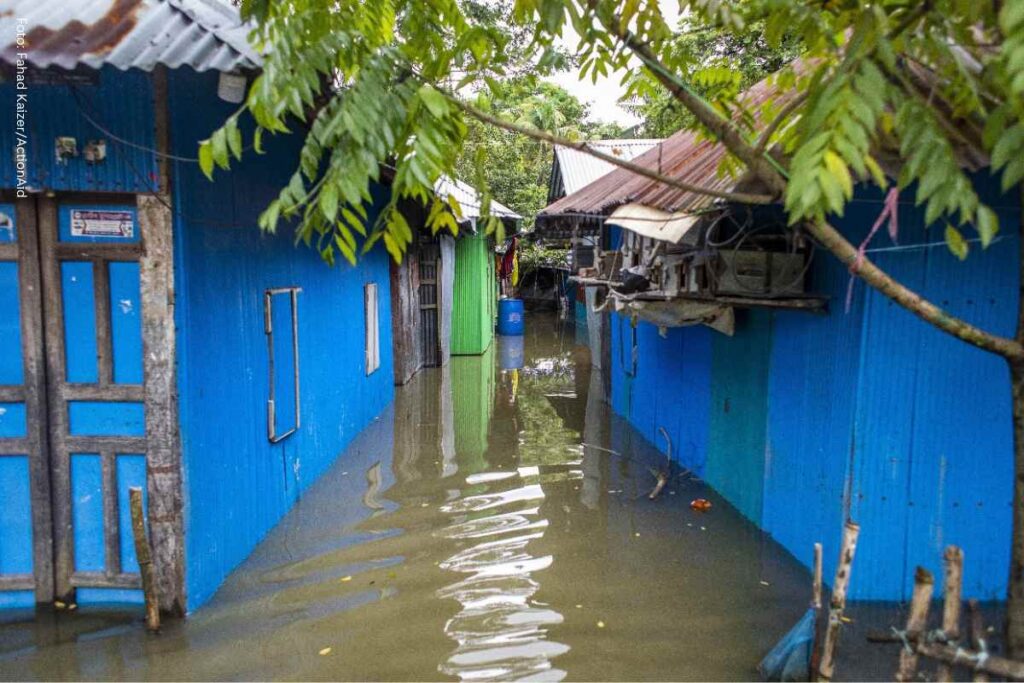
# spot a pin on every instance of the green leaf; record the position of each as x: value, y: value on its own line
x: 988, y: 225
x: 329, y: 201
x: 257, y: 141
x: 234, y: 137
x: 206, y: 158
x: 434, y: 101
x: 956, y: 242
x: 220, y: 148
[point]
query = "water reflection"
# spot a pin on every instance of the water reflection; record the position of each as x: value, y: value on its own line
x: 481, y: 529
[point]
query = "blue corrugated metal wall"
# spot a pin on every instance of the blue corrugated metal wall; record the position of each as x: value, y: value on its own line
x: 869, y: 411
x: 238, y: 484
x: 671, y: 388
x: 121, y: 102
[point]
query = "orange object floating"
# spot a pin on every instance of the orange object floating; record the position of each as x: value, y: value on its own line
x: 700, y: 504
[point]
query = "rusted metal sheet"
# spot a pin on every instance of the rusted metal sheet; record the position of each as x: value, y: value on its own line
x: 685, y: 156
x: 127, y: 34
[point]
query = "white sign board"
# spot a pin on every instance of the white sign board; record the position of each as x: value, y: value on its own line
x: 89, y: 223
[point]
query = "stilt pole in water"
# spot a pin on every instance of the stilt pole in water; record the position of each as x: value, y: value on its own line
x: 816, y: 586
x: 145, y: 559
x: 976, y: 629
x: 917, y: 621
x: 952, y: 591
x: 838, y: 602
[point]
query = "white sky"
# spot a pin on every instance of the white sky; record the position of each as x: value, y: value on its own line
x: 603, y: 96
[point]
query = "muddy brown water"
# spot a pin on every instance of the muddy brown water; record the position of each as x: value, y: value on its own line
x: 469, y: 533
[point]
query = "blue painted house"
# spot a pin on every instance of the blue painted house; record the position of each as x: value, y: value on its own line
x: 801, y: 410
x: 150, y: 334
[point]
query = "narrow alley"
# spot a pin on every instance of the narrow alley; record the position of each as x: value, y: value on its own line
x: 485, y: 527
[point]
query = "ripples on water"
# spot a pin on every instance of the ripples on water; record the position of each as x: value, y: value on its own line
x: 469, y: 534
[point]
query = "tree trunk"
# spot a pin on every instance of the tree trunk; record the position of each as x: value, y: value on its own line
x: 1015, y: 597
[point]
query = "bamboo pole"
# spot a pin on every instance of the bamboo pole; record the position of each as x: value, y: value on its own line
x: 997, y: 666
x: 917, y: 620
x: 816, y: 585
x: 977, y: 635
x: 952, y: 591
x: 145, y: 559
x: 840, y: 585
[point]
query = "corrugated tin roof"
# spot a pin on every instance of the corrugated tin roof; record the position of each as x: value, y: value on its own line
x: 684, y: 156
x: 579, y: 169
x: 469, y: 199
x: 127, y: 34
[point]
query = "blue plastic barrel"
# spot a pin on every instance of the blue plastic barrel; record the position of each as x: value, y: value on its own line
x: 510, y: 316
x: 510, y: 352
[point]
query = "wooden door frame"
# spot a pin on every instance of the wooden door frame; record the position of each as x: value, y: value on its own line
x: 158, y: 393
x: 32, y: 392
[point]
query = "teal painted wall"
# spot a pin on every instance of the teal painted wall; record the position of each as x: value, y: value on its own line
x: 739, y: 410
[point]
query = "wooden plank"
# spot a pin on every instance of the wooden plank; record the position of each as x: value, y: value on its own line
x: 101, y: 302
x: 12, y: 393
x: 9, y: 252
x: 81, y: 251
x: 94, y: 392
x: 17, y: 582
x: 34, y: 369
x: 111, y: 521
x: 101, y: 580
x: 163, y: 454
x: 17, y: 446
x: 98, y: 444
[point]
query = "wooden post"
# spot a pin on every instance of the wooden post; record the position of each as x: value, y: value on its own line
x: 838, y: 603
x: 149, y: 588
x: 163, y: 449
x: 917, y: 621
x: 952, y: 597
x: 977, y: 635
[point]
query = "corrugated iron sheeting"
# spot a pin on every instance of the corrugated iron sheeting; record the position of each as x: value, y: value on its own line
x: 127, y: 34
x: 579, y: 169
x: 469, y: 199
x: 683, y: 156
x: 121, y: 102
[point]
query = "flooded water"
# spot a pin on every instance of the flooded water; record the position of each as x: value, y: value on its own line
x: 493, y: 524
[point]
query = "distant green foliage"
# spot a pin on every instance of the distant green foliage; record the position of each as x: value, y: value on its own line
x: 518, y: 168
x: 726, y: 64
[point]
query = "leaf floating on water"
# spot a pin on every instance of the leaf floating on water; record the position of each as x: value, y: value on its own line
x: 345, y: 578
x: 579, y: 606
x: 765, y: 583
x: 846, y: 620
x: 58, y: 604
x: 637, y: 534
x: 700, y: 504
x: 324, y: 652
x: 600, y: 624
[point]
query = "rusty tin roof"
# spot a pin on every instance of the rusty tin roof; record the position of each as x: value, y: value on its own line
x: 127, y: 34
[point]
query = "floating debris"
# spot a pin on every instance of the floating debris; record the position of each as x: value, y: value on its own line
x: 700, y: 504
x: 765, y: 583
x: 324, y: 652
x: 600, y: 624
x: 345, y: 578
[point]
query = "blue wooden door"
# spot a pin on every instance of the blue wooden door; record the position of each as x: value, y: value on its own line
x: 26, y: 549
x: 90, y: 253
x: 72, y: 398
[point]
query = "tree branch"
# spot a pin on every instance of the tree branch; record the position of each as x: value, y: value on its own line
x: 784, y: 113
x: 822, y: 231
x: 581, y: 146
